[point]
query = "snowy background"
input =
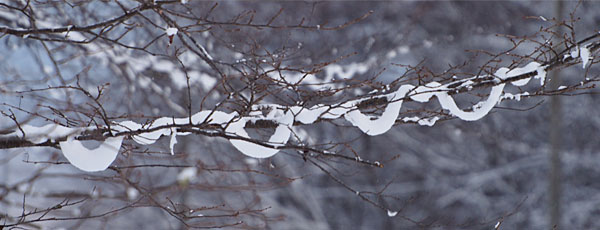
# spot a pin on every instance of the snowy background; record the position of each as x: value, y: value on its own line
x: 453, y: 175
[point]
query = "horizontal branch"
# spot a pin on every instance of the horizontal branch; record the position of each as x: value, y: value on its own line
x: 127, y: 15
x: 15, y: 142
x: 374, y: 101
x: 490, y: 81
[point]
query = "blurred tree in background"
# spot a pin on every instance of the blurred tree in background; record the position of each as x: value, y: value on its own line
x: 279, y: 115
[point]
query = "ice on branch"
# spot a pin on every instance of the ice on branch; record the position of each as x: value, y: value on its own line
x: 91, y: 160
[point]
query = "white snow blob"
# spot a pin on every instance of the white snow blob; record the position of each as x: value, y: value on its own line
x: 585, y: 56
x: 171, y: 31
x: 100, y: 158
x: 91, y: 160
x: 479, y: 110
x: 376, y: 126
x: 391, y: 213
x: 279, y: 138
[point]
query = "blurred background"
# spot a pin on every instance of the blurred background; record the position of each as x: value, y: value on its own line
x: 453, y: 175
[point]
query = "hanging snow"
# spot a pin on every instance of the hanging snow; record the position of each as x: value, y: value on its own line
x: 585, y: 56
x: 91, y: 160
x: 279, y: 137
x: 173, y: 140
x: 375, y: 126
x: 479, y: 110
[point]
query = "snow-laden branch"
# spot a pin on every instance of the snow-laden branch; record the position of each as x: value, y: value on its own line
x: 232, y: 125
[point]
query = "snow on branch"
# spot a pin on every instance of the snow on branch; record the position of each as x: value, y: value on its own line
x: 284, y: 117
x: 91, y: 160
x: 232, y: 125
